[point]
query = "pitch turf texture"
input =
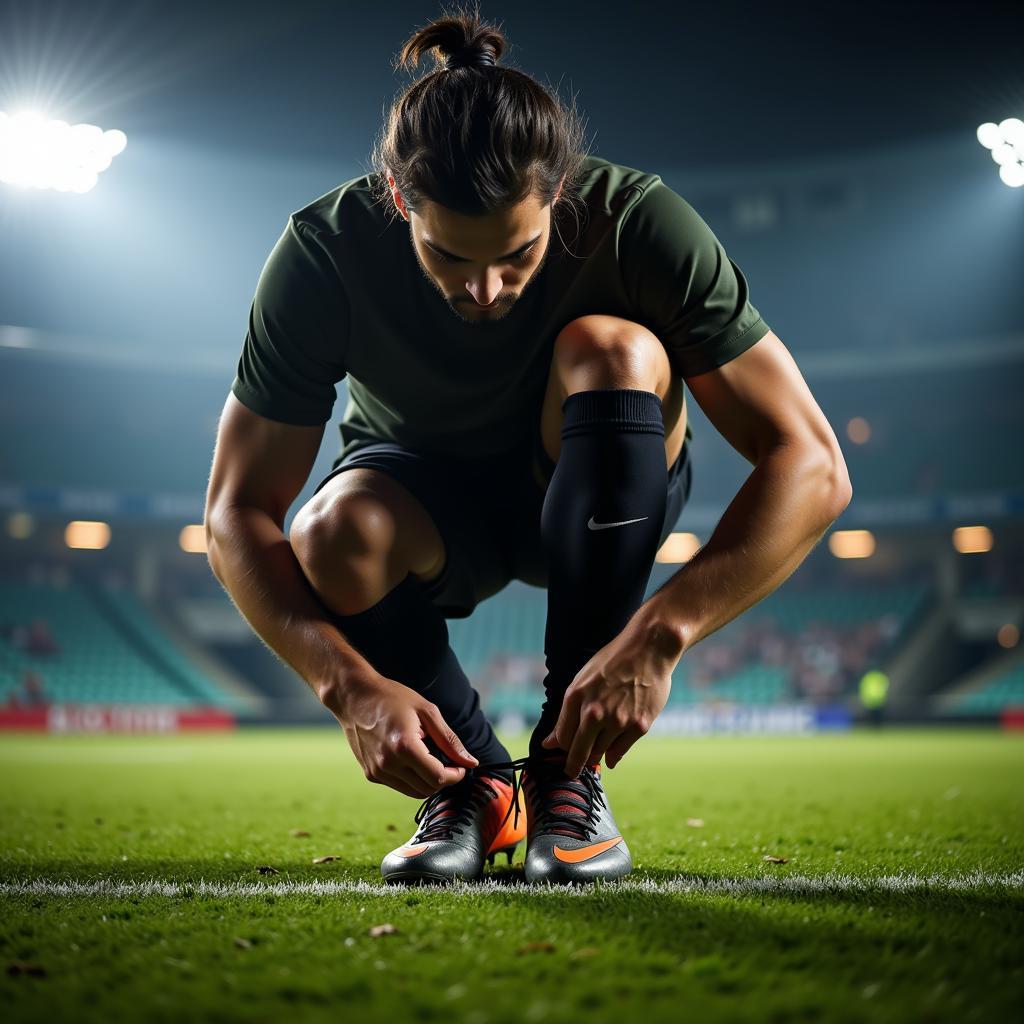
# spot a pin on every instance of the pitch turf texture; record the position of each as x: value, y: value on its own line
x: 131, y: 888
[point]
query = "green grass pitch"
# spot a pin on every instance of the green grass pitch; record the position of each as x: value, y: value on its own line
x: 131, y: 888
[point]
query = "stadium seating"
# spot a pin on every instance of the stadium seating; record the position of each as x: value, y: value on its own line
x: 109, y: 650
x: 1005, y: 691
x: 513, y: 624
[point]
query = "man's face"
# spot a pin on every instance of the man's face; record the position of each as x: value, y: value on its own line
x: 480, y: 265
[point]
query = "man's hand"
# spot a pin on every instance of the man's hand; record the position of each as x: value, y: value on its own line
x: 615, y: 698
x: 385, y: 723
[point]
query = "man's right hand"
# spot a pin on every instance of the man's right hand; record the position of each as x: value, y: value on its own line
x: 386, y: 724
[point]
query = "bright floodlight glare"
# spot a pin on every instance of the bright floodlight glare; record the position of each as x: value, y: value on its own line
x: 1004, y: 154
x: 972, y: 539
x: 1006, y: 143
x: 36, y: 152
x: 1012, y: 131
x: 87, y: 534
x: 852, y: 543
x: 989, y: 135
x: 1012, y: 175
x: 116, y: 140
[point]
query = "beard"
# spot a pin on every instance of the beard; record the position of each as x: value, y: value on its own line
x: 503, y: 304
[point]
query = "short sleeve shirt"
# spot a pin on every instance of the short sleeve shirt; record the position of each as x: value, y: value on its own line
x: 342, y: 297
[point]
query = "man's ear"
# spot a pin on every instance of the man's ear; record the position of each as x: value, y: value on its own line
x: 397, y: 197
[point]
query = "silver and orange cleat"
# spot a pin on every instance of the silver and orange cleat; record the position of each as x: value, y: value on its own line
x: 571, y: 834
x: 459, y: 828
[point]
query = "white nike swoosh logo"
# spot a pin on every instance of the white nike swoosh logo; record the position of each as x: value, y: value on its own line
x: 593, y: 525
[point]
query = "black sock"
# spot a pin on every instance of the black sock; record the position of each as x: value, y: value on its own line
x: 611, y: 468
x: 405, y: 638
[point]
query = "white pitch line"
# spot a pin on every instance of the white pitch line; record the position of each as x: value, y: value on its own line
x: 681, y: 885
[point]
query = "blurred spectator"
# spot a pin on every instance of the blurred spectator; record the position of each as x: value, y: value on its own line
x: 510, y: 672
x: 874, y: 688
x: 31, y: 694
x: 35, y: 638
x: 33, y: 690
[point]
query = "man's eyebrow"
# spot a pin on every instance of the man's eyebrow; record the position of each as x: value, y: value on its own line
x: 463, y: 259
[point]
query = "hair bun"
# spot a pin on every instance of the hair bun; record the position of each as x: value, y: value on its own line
x: 479, y: 57
x: 457, y: 40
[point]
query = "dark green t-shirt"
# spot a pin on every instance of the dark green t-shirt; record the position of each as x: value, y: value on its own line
x: 342, y: 295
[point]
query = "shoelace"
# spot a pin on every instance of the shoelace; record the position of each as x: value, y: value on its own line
x: 447, y: 812
x: 569, y: 806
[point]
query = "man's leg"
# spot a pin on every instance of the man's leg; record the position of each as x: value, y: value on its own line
x: 612, y: 422
x: 371, y: 551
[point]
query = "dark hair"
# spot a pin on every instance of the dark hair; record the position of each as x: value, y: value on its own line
x: 472, y: 137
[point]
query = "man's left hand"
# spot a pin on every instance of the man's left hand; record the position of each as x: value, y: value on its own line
x: 615, y: 698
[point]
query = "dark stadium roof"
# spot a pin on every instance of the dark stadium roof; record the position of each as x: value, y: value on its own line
x: 680, y: 85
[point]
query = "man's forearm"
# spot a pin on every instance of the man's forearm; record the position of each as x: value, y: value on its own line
x: 782, y: 510
x: 254, y: 562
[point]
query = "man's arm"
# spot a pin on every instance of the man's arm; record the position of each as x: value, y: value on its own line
x: 761, y: 404
x: 259, y: 467
x: 799, y: 486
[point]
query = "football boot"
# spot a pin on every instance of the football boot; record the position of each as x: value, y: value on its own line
x: 571, y: 833
x: 459, y: 828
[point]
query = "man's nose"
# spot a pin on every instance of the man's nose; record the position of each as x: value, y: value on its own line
x: 485, y: 288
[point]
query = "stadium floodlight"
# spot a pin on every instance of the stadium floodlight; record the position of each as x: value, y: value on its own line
x: 87, y: 534
x: 193, y: 538
x: 1012, y: 174
x: 969, y: 540
x: 39, y: 153
x: 678, y: 548
x: 852, y: 543
x: 1005, y: 141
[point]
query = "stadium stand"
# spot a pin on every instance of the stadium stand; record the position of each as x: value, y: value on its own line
x: 996, y: 687
x: 105, y: 650
x: 130, y: 442
x: 810, y: 646
x: 107, y: 425
x: 1005, y: 691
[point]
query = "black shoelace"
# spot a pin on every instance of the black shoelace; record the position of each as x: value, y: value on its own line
x: 566, y: 806
x: 446, y: 813
x: 563, y: 806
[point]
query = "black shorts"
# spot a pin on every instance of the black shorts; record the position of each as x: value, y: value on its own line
x: 488, y: 513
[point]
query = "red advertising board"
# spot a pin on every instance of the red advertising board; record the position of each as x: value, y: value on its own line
x: 114, y: 718
x: 1012, y: 718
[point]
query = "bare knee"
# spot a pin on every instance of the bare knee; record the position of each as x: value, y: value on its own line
x: 353, y: 526
x: 360, y: 536
x: 600, y: 351
x: 345, y: 546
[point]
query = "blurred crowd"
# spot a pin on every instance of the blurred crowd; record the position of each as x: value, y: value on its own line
x: 33, y: 637
x: 821, y: 661
x: 30, y: 694
x: 36, y: 638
